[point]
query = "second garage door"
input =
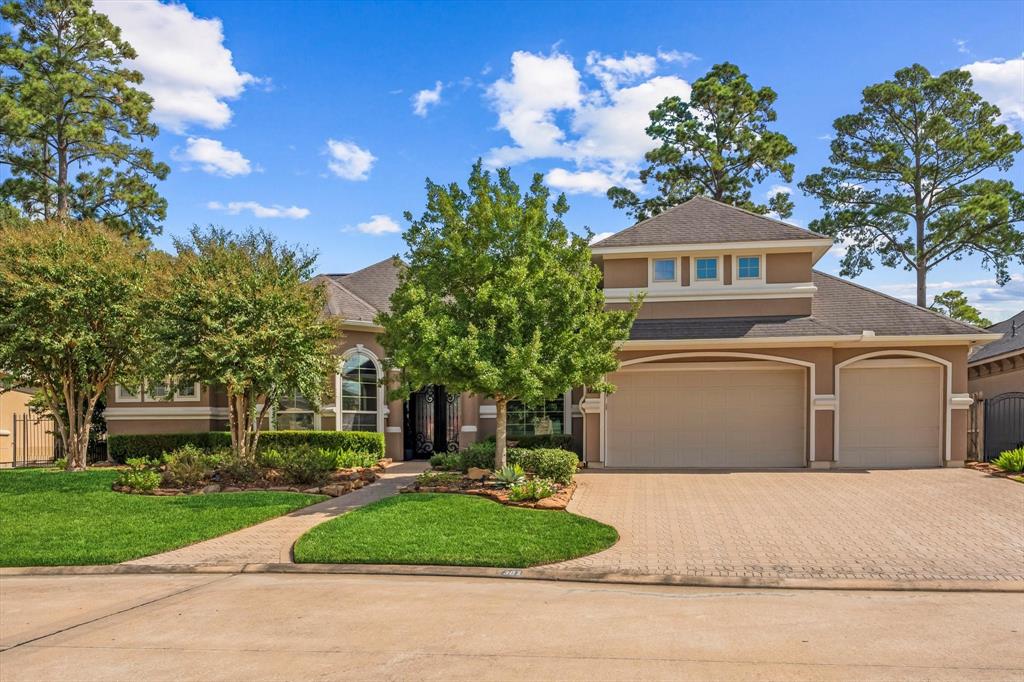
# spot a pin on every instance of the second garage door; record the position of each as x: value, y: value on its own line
x: 707, y: 418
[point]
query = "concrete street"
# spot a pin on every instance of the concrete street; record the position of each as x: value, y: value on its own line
x: 267, y: 626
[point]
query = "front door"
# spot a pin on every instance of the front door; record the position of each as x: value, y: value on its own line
x: 431, y: 422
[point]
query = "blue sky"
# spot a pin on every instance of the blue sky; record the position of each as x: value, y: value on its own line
x: 320, y: 121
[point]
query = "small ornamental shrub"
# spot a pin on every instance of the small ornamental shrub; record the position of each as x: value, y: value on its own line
x: 479, y: 455
x: 139, y: 475
x: 446, y: 461
x: 1011, y: 460
x: 510, y: 474
x: 556, y: 441
x: 156, y: 445
x: 308, y: 465
x: 269, y: 458
x: 188, y: 466
x: 351, y: 459
x: 60, y: 463
x: 235, y: 469
x: 531, y: 490
x: 558, y: 465
x: 429, y: 478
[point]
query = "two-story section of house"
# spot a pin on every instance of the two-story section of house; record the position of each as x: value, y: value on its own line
x: 744, y: 356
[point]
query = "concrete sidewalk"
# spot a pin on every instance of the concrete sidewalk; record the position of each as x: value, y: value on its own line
x: 274, y: 627
x: 271, y: 542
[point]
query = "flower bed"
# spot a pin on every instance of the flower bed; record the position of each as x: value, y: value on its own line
x: 482, y: 483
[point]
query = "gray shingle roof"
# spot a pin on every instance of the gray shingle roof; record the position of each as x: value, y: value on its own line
x: 702, y: 220
x: 362, y: 294
x: 1009, y: 343
x: 839, y: 308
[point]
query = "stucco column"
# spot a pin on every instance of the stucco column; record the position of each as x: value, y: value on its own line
x: 469, y: 414
x: 393, y: 437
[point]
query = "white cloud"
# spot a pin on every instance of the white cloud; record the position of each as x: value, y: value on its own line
x: 684, y: 59
x: 1001, y: 82
x: 993, y: 301
x: 599, y: 236
x: 580, y: 182
x: 259, y: 210
x: 961, y: 46
x: 778, y: 189
x: 378, y: 225
x: 612, y: 71
x: 188, y: 70
x: 424, y: 99
x: 213, y: 157
x: 349, y: 160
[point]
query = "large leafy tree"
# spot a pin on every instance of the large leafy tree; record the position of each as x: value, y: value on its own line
x: 953, y: 303
x: 909, y: 179
x: 717, y: 145
x: 240, y: 313
x: 499, y: 298
x: 72, y: 119
x: 76, y: 313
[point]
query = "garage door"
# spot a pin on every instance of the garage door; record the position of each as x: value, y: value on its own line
x: 890, y: 416
x: 721, y: 418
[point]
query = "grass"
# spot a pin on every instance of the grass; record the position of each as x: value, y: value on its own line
x: 452, y: 530
x: 55, y: 518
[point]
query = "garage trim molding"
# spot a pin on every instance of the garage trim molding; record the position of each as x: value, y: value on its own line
x: 906, y: 355
x: 808, y: 413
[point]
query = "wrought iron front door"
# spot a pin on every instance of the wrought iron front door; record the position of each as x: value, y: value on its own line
x: 431, y: 422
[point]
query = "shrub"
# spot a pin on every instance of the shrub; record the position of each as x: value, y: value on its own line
x: 439, y: 478
x: 358, y: 441
x: 235, y: 469
x: 156, y: 445
x: 558, y: 465
x: 188, y: 466
x: 308, y: 465
x: 60, y: 463
x: 532, y: 490
x: 510, y: 474
x: 269, y: 458
x: 139, y: 475
x: 1011, y: 460
x: 480, y: 455
x: 556, y: 441
x: 350, y: 459
x: 447, y: 461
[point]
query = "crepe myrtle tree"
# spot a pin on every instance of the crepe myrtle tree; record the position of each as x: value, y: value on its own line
x: 77, y: 303
x: 499, y: 298
x: 240, y: 313
x: 913, y: 182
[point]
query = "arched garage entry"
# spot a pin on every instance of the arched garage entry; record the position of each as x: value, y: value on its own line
x: 892, y: 410
x: 709, y: 410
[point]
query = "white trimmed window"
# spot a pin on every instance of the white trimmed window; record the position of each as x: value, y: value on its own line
x: 360, y: 393
x: 181, y: 393
x: 525, y: 420
x: 748, y: 267
x: 295, y: 413
x: 664, y: 270
x: 705, y: 269
x: 124, y: 395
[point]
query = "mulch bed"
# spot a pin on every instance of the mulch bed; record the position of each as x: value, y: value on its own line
x: 492, y: 492
x: 993, y: 470
x: 338, y: 483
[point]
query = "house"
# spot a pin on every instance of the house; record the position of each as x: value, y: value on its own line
x: 743, y: 356
x: 25, y: 437
x: 995, y: 379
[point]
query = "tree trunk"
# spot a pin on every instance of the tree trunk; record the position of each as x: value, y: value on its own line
x: 920, y: 265
x: 62, y: 181
x: 500, y: 433
x: 77, y: 441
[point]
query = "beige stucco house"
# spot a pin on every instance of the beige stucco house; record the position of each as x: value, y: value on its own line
x: 743, y: 356
x: 995, y: 379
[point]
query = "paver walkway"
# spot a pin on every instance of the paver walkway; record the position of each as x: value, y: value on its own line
x: 933, y: 524
x: 271, y: 542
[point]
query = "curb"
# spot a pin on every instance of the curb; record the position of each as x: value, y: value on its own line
x: 867, y: 584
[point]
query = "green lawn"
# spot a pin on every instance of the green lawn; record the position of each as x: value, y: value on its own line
x: 452, y: 530
x: 54, y: 518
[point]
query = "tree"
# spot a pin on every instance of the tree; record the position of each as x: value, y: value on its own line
x: 716, y: 145
x: 241, y: 314
x: 954, y: 304
x: 68, y: 105
x: 499, y: 298
x: 905, y: 182
x: 76, y: 304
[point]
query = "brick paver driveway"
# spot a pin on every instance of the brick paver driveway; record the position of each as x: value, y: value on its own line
x: 933, y: 524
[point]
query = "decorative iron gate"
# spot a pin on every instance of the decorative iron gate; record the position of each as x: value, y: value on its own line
x: 1004, y: 424
x: 431, y: 422
x: 33, y: 441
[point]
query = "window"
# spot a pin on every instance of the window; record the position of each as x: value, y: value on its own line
x: 748, y: 267
x: 707, y: 269
x: 294, y: 413
x: 665, y: 270
x: 524, y: 420
x: 124, y: 395
x: 359, y: 391
x: 182, y: 392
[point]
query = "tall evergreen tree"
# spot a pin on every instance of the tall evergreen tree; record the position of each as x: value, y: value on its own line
x: 72, y: 119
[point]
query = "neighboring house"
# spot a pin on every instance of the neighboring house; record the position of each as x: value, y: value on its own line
x: 25, y: 438
x: 743, y: 356
x: 995, y: 379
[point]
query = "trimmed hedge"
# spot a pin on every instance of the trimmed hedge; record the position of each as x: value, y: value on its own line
x: 155, y: 445
x: 558, y: 465
x: 551, y: 441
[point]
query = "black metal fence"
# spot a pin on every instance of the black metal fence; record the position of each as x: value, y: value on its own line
x: 34, y: 442
x: 1004, y: 423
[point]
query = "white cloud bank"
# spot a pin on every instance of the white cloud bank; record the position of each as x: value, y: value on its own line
x: 995, y: 302
x: 549, y: 111
x: 424, y: 99
x: 349, y: 161
x: 259, y: 210
x: 378, y: 225
x: 213, y: 157
x: 188, y: 70
x: 1001, y: 82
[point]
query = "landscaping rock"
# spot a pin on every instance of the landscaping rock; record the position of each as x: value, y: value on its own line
x: 212, y: 488
x: 280, y: 488
x: 312, y: 491
x: 368, y: 475
x: 231, y: 489
x: 334, y: 490
x: 477, y: 474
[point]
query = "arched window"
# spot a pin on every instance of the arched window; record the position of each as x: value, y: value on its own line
x: 360, y: 393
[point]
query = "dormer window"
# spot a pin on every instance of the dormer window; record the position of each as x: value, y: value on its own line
x: 664, y: 270
x: 706, y: 269
x: 748, y: 267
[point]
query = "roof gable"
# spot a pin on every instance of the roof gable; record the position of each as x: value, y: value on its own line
x: 360, y: 295
x: 701, y: 220
x: 1012, y: 341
